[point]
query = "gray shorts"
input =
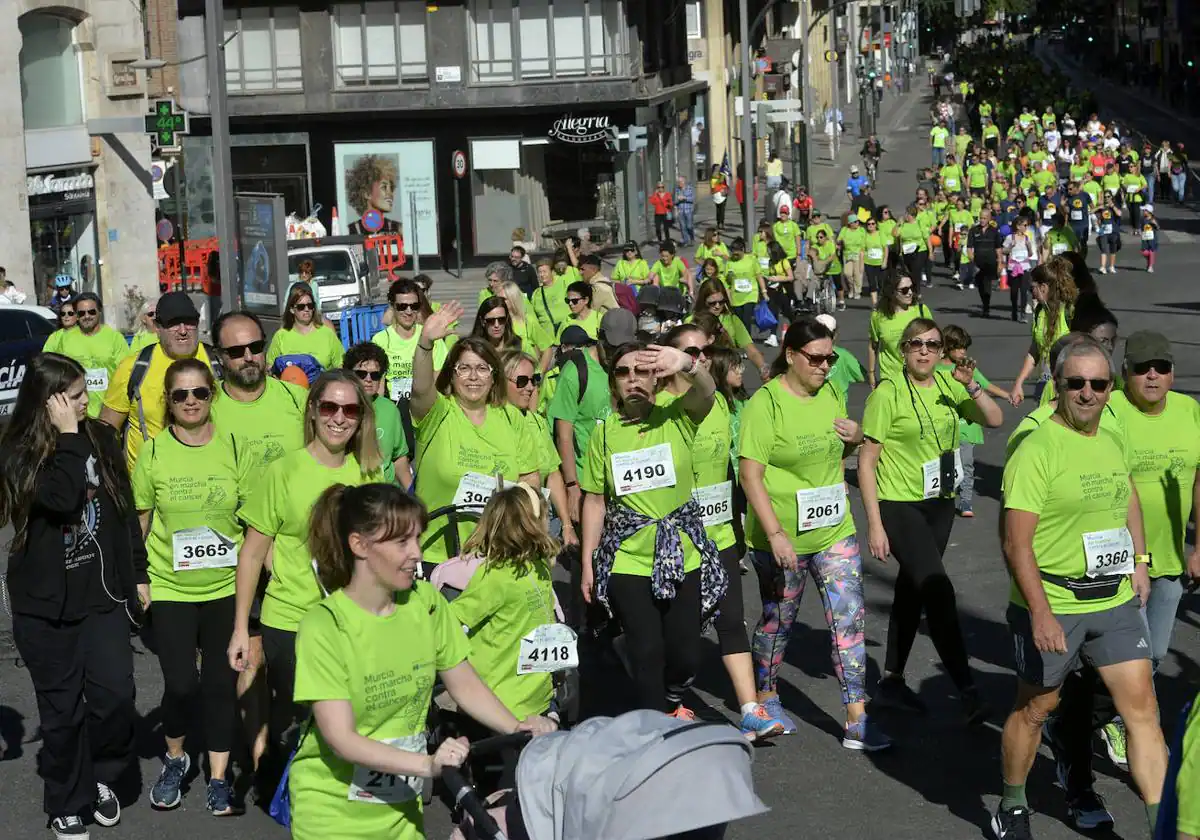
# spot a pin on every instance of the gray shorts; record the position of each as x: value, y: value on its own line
x: 1108, y: 637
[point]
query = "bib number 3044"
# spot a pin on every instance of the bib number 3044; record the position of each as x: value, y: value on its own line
x: 643, y: 469
x: 547, y: 649
x: 374, y: 787
x: 1108, y: 552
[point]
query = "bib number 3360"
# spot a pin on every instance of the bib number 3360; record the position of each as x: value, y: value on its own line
x: 374, y: 787
x: 643, y: 469
x: 1108, y: 552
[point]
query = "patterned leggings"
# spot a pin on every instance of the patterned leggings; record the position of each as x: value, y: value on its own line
x: 838, y: 572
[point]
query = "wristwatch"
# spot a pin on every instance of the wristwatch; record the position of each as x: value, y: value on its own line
x: 691, y: 368
x: 973, y: 393
x: 1146, y: 558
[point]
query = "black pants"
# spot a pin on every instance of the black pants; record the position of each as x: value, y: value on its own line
x: 745, y: 313
x: 730, y: 622
x: 663, y: 636
x: 82, y: 674
x: 915, y: 265
x: 279, y: 649
x: 721, y: 215
x: 662, y: 226
x: 987, y: 272
x: 179, y: 629
x: 1018, y: 294
x: 1081, y: 233
x: 918, y: 533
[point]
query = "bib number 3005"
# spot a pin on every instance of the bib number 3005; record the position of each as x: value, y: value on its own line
x: 202, y: 548
x: 820, y: 507
x: 643, y: 469
x: 1108, y: 552
x: 549, y: 648
x: 374, y: 787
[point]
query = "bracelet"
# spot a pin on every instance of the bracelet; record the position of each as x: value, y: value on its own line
x: 572, y: 483
x: 428, y: 349
x: 978, y: 390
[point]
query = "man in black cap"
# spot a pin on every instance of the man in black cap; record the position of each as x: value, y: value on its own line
x: 136, y: 401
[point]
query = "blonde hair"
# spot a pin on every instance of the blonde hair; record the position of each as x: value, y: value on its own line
x: 514, y: 530
x: 362, y: 444
x: 380, y: 512
x: 514, y: 299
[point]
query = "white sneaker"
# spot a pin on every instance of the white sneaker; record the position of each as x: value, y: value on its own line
x: 1029, y: 309
x: 771, y: 340
x: 958, y: 286
x: 1112, y: 270
x: 970, y: 285
x: 1149, y: 269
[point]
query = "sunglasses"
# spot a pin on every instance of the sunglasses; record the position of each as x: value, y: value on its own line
x: 68, y: 313
x: 86, y: 311
x: 573, y: 301
x: 303, y: 307
x: 238, y: 351
x: 932, y: 344
x: 696, y: 352
x: 1076, y: 383
x: 180, y: 395
x: 329, y: 408
x: 498, y: 321
x: 818, y: 359
x: 406, y: 307
x: 150, y: 314
x: 625, y: 372
x: 369, y: 375
x: 715, y: 302
x: 904, y: 290
x: 1157, y: 365
x: 524, y: 381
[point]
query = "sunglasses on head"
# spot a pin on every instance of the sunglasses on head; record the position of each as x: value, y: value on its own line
x: 368, y: 375
x: 329, y: 408
x: 238, y: 351
x: 303, y: 307
x: 524, y: 381
x: 180, y: 395
x: 696, y: 352
x: 1157, y: 365
x: 406, y: 307
x: 933, y: 344
x: 86, y: 311
x: 1077, y: 383
x: 497, y: 321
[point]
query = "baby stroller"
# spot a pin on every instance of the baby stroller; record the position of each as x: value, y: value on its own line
x: 641, y: 776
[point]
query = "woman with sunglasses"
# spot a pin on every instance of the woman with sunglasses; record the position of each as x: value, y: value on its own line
x: 713, y: 297
x: 579, y: 301
x: 466, y: 432
x: 493, y: 325
x: 66, y: 320
x: 908, y: 470
x: 399, y: 339
x: 340, y: 447
x: 644, y: 543
x: 304, y: 331
x: 186, y: 486
x: 712, y: 248
x: 899, y: 305
x: 631, y: 268
x: 714, y: 490
x: 369, y: 363
x: 523, y: 384
x: 146, y: 333
x: 876, y: 253
x: 795, y: 435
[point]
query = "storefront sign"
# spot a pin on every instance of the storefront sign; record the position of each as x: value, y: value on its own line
x: 572, y: 129
x: 77, y: 186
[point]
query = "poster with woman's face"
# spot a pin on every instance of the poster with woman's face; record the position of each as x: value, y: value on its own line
x: 377, y: 193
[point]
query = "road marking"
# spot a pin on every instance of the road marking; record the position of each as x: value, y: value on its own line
x: 1178, y: 237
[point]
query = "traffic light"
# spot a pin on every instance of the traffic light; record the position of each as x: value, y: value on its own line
x: 1191, y: 63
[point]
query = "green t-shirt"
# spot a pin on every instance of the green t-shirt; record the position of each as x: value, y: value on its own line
x: 795, y: 440
x: 1187, y: 783
x: 786, y: 234
x: 968, y: 430
x: 539, y: 430
x: 534, y: 339
x: 268, y: 428
x: 584, y: 414
x: 961, y: 220
x: 710, y: 466
x: 853, y: 241
x: 321, y: 343
x: 389, y: 430
x: 667, y: 426
x: 550, y: 303
x: 845, y: 371
x: 98, y: 354
x: 634, y: 272
x: 449, y: 446
x: 742, y: 280
x: 952, y: 178
x: 1076, y: 484
x: 142, y: 340
x: 887, y: 227
x: 961, y: 141
x: 876, y: 247
x: 191, y: 487
x: 938, y: 135
x: 1164, y: 452
x: 913, y: 239
x: 385, y: 666
x: 1035, y: 418
x: 977, y: 176
x: 719, y: 253
x: 915, y: 425
x: 590, y: 324
x: 885, y: 334
x: 279, y: 505
x: 400, y: 352
x: 497, y: 609
x: 669, y: 276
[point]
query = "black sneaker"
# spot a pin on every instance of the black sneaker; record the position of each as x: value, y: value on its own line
x: 894, y: 693
x: 106, y: 809
x: 974, y: 708
x: 1012, y: 824
x: 69, y: 828
x: 1088, y: 812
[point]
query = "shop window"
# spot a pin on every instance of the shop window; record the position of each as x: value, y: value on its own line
x: 695, y: 18
x: 525, y: 40
x: 265, y: 55
x: 51, y: 95
x: 380, y: 43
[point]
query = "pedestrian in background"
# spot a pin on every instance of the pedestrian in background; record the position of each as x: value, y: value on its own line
x: 719, y: 185
x: 662, y: 203
x: 685, y: 206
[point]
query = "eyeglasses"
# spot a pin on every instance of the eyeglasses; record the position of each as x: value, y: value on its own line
x: 498, y: 321
x: 715, y: 303
x: 818, y: 359
x: 524, y: 381
x: 368, y: 375
x: 465, y: 370
x: 329, y: 408
x: 1157, y: 365
x: 180, y: 395
x: 406, y: 307
x: 238, y: 351
x: 1076, y: 383
x: 573, y: 301
x: 934, y: 345
x: 304, y: 307
x: 68, y: 313
x: 904, y: 290
x: 86, y: 311
x: 696, y: 352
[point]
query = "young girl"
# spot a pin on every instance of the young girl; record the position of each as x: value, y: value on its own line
x: 1149, y: 237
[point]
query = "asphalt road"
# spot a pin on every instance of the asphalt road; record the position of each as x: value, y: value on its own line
x: 941, y: 779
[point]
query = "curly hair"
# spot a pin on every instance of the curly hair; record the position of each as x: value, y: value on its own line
x: 367, y: 171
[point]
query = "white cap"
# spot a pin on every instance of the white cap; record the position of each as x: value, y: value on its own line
x: 1147, y: 208
x: 854, y: 168
x: 827, y: 321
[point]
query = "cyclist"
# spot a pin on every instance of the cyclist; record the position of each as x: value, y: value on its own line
x: 872, y: 151
x: 856, y: 182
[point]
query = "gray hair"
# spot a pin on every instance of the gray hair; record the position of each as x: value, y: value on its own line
x: 1084, y: 346
x: 502, y: 270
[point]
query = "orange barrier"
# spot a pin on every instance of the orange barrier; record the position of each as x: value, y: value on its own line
x: 389, y: 248
x: 195, y: 275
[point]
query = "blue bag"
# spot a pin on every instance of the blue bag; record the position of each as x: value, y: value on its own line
x: 311, y: 367
x: 764, y: 318
x: 281, y: 803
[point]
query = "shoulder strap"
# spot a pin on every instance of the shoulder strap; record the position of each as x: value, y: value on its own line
x: 139, y: 372
x: 214, y: 361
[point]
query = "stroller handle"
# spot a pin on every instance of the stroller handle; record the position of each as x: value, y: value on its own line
x: 465, y: 796
x: 496, y: 743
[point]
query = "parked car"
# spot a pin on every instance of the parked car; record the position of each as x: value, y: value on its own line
x: 23, y: 331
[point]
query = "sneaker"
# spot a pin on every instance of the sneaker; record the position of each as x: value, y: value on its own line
x: 166, y: 794
x: 1088, y: 811
x: 220, y: 798
x: 864, y: 735
x: 842, y: 306
x: 1113, y: 735
x: 682, y: 712
x: 1112, y: 270
x: 744, y: 565
x: 1029, y: 309
x: 771, y: 341
x: 958, y: 286
x: 970, y: 285
x: 1012, y: 824
x: 106, y: 809
x: 775, y: 709
x: 759, y: 724
x: 1150, y: 269
x: 69, y: 828
x: 967, y: 513
x: 974, y: 708
x: 894, y: 693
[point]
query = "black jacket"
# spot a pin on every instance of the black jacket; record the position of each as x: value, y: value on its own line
x: 525, y: 277
x: 37, y: 581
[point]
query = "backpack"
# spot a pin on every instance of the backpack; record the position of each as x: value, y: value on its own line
x: 311, y: 367
x: 626, y: 297
x: 133, y: 392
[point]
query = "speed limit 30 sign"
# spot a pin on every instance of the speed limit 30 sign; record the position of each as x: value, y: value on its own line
x: 458, y: 162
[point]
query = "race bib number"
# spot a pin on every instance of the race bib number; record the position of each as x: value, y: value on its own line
x: 1020, y: 254
x: 1058, y: 248
x: 874, y: 253
x: 401, y: 388
x: 952, y: 183
x: 820, y: 507
x: 1077, y: 215
x: 1108, y: 552
x: 1106, y: 229
x: 716, y: 503
x: 643, y: 469
x: 960, y: 227
x: 909, y: 248
x: 932, y: 475
x: 763, y: 262
x: 742, y: 285
x: 96, y: 379
x: 1148, y: 235
x: 202, y: 548
x: 374, y: 787
x: 549, y: 648
x: 1132, y: 189
x: 1049, y: 212
x: 474, y: 489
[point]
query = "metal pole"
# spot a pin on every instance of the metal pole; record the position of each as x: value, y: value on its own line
x: 416, y: 240
x: 458, y: 245
x: 748, y: 171
x: 836, y: 84
x: 218, y: 106
x: 179, y: 220
x: 806, y: 89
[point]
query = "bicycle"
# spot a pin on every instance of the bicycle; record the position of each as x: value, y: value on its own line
x: 871, y: 165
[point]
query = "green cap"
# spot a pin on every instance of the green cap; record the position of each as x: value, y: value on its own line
x: 1147, y: 346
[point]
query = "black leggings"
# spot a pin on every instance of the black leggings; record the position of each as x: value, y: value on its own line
x: 915, y: 265
x: 730, y: 622
x: 662, y: 227
x: 917, y: 533
x: 721, y: 215
x: 987, y: 272
x: 279, y: 649
x: 179, y: 628
x: 663, y: 637
x: 1018, y: 294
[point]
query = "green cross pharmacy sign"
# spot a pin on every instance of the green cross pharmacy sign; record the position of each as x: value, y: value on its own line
x: 165, y: 124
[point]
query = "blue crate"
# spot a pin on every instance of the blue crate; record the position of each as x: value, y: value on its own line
x: 359, y: 323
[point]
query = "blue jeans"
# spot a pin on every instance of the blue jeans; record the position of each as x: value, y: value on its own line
x: 966, y: 493
x: 939, y: 156
x: 1179, y: 185
x: 1151, y: 184
x: 687, y: 223
x: 1159, y: 612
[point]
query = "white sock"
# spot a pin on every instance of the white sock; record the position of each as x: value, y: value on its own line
x: 748, y: 708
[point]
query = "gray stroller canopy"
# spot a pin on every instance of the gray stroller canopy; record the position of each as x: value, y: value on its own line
x: 640, y: 776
